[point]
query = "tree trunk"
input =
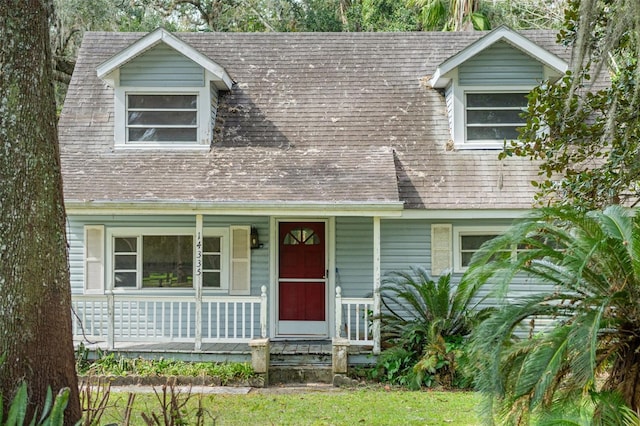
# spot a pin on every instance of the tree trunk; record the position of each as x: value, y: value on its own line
x: 35, y: 301
x: 625, y: 374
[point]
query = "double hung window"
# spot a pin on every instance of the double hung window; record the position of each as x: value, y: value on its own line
x: 468, y: 240
x: 470, y: 244
x: 494, y: 117
x: 125, y: 262
x: 212, y: 262
x: 153, y: 261
x: 162, y: 118
x: 155, y: 258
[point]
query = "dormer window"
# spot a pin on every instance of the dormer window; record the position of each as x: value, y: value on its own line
x: 486, y: 86
x: 162, y: 118
x: 165, y: 94
x: 494, y: 117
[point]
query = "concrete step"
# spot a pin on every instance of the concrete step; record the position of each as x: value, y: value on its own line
x: 300, y: 374
x: 297, y: 360
x: 301, y: 353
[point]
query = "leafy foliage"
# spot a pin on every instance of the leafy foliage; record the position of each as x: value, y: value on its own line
x: 525, y: 14
x: 584, y: 130
x: 112, y: 364
x: 52, y: 412
x: 451, y: 15
x: 423, y: 325
x: 590, y: 263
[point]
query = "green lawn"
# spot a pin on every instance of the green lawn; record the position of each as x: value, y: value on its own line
x: 369, y: 406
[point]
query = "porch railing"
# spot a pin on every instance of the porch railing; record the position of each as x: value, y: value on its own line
x: 354, y: 318
x: 115, y: 318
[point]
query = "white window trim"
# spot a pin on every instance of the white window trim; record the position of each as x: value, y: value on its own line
x: 138, y: 233
x: 460, y: 114
x: 459, y: 231
x: 225, y: 247
x: 203, y: 141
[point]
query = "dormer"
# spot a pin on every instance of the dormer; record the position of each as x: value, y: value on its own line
x: 165, y: 93
x: 486, y: 85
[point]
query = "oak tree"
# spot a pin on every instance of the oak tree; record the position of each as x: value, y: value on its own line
x: 35, y: 300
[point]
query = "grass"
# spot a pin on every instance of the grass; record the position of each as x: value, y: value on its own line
x: 368, y: 406
x: 372, y: 405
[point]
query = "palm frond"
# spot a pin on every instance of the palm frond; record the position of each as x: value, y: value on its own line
x: 588, y: 270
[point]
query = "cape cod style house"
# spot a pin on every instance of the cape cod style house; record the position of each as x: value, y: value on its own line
x: 229, y: 188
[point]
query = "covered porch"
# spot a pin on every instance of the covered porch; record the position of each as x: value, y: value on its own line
x: 208, y: 328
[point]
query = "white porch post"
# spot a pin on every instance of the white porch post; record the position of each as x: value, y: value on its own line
x: 376, y: 284
x: 339, y: 312
x: 111, y: 311
x: 263, y: 311
x: 197, y: 281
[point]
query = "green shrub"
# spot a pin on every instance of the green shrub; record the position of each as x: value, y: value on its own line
x: 52, y: 413
x: 423, y: 328
x: 112, y: 364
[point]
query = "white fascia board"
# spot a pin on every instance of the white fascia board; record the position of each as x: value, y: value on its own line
x: 440, y: 78
x: 452, y: 214
x: 282, y: 209
x: 198, y: 58
x: 437, y: 80
x: 130, y: 52
x: 152, y: 39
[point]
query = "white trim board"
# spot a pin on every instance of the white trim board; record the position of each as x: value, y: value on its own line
x: 441, y: 78
x: 306, y: 210
x: 105, y: 71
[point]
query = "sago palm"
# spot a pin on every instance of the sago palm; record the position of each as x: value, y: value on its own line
x: 590, y: 351
x: 427, y: 320
x: 414, y: 300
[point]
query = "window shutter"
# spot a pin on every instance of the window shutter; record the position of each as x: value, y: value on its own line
x: 240, y: 261
x: 441, y: 248
x: 94, y: 258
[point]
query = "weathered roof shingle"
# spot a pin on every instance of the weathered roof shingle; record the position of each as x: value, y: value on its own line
x: 339, y: 117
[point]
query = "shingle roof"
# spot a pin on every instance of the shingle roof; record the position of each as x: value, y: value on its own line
x: 334, y: 117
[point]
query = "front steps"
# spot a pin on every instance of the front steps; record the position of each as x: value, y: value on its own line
x: 300, y: 374
x: 306, y: 361
x: 302, y: 361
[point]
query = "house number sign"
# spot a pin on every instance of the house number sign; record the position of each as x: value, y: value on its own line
x: 199, y: 254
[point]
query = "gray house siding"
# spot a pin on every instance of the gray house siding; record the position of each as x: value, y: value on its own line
x: 354, y: 246
x: 259, y: 256
x: 407, y: 243
x: 162, y: 66
x: 449, y: 96
x: 354, y: 256
x: 76, y: 224
x: 404, y: 243
x: 75, y: 235
x: 501, y: 65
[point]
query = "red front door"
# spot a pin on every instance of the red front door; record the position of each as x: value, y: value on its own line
x: 302, y: 276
